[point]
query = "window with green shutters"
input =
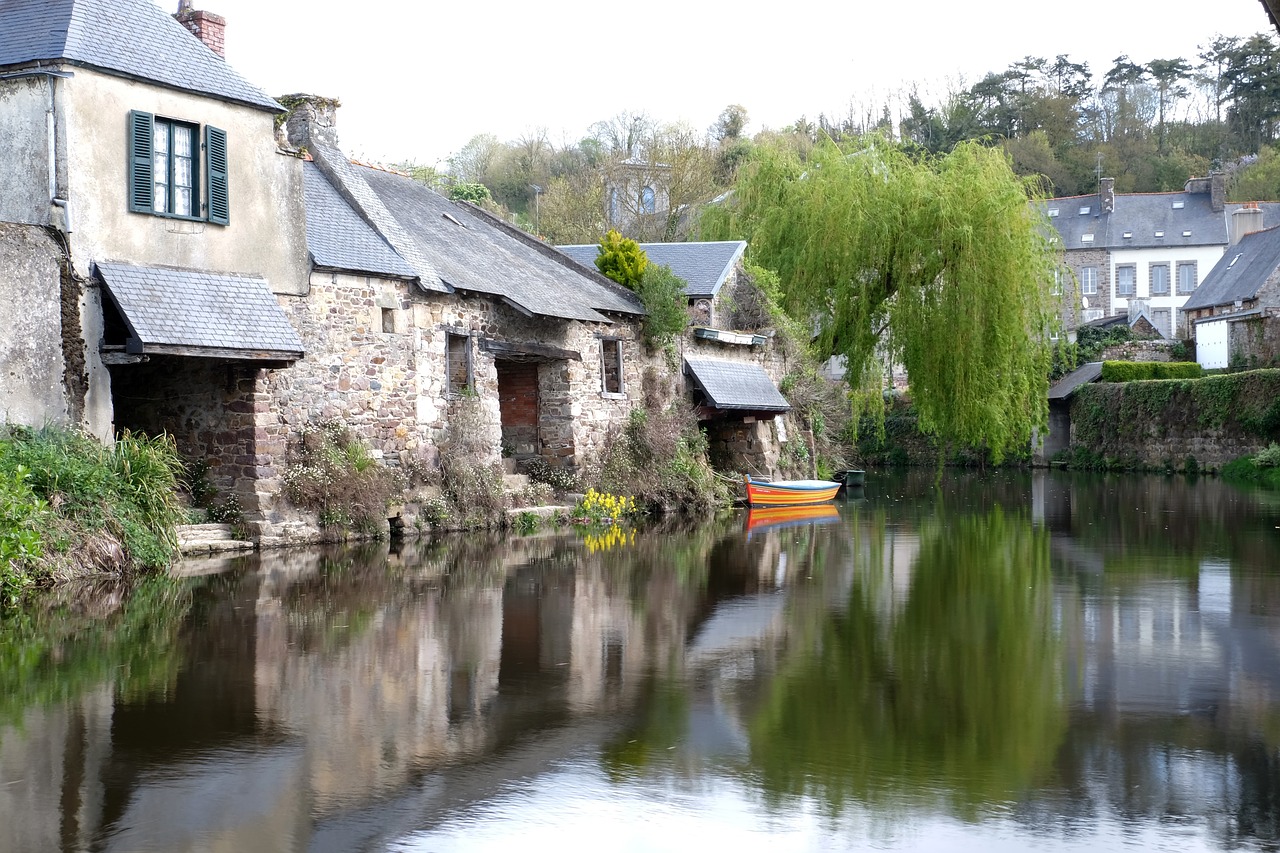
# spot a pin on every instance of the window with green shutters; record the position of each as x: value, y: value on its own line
x: 176, y: 170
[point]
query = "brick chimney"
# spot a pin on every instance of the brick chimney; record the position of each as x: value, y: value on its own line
x: 206, y: 26
x: 1246, y: 220
x: 1107, y: 195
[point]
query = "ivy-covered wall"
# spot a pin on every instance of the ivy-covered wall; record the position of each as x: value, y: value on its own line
x: 1176, y: 423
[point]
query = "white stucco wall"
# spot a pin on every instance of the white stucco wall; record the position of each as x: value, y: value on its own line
x: 24, y: 150
x: 1142, y: 259
x: 267, y: 231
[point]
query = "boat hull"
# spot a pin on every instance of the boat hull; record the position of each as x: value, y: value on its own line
x: 790, y: 492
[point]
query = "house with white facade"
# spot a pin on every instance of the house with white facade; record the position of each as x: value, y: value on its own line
x: 1148, y: 250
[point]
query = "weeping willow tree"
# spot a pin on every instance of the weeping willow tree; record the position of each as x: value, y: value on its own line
x: 935, y: 263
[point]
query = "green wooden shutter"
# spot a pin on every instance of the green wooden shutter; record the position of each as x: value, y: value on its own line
x: 215, y: 144
x: 141, y: 187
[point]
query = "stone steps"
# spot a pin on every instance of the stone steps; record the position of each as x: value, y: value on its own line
x: 210, y: 539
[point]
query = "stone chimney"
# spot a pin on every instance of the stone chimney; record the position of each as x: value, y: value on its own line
x: 1107, y: 195
x: 1244, y: 221
x: 206, y: 26
x: 1218, y: 191
x: 311, y: 120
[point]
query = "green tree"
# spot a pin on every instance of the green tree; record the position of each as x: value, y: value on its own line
x: 936, y: 263
x: 474, y: 193
x: 621, y: 259
x: 1168, y: 74
x: 731, y: 123
x: 666, y: 314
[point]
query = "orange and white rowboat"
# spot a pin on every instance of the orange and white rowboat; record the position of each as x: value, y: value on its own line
x: 789, y: 492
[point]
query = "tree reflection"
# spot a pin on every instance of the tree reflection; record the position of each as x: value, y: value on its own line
x: 955, y: 698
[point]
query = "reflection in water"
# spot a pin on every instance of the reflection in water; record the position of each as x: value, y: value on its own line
x: 1002, y: 660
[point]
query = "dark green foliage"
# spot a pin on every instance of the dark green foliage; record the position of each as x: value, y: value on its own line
x: 1104, y: 416
x: 666, y: 315
x: 21, y: 515
x: 1092, y: 340
x: 621, y: 259
x: 1135, y: 371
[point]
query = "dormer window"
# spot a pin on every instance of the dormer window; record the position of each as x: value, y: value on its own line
x: 1086, y: 238
x: 1053, y: 211
x: 1084, y: 210
x: 1186, y: 233
x: 1178, y: 205
x: 1159, y: 233
x: 1128, y: 235
x: 166, y: 169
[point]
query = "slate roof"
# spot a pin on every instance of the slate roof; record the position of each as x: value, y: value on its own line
x: 227, y: 315
x: 1241, y: 272
x: 1082, y: 375
x: 339, y: 239
x: 471, y: 252
x: 704, y: 266
x: 1142, y: 216
x: 132, y: 38
x: 735, y: 385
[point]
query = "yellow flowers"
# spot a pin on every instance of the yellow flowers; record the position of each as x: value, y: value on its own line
x: 614, y: 537
x: 600, y: 510
x: 604, y: 508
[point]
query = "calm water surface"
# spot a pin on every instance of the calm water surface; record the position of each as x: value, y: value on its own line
x: 995, y: 662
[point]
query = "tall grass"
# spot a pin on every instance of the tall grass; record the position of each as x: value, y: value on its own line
x: 91, y: 507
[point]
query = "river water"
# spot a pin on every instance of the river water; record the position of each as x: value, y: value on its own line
x: 985, y: 662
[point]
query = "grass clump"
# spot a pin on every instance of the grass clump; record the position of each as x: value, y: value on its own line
x: 334, y: 474
x: 70, y: 506
x: 1260, y: 469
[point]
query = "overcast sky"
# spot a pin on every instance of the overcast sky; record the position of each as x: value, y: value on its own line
x: 418, y: 79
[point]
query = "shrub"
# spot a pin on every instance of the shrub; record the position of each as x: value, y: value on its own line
x: 1267, y: 458
x: 471, y: 483
x: 666, y: 315
x: 562, y: 480
x: 621, y: 259
x: 334, y: 475
x: 1135, y: 371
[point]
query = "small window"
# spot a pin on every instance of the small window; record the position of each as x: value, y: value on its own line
x: 611, y: 365
x: 1186, y: 233
x: 1084, y: 210
x: 1086, y: 238
x: 1089, y: 281
x: 1128, y: 235
x: 1233, y: 261
x: 1159, y: 233
x: 1053, y: 211
x: 458, y: 366
x: 1178, y: 205
x: 388, y: 320
x: 1126, y: 279
x: 1159, y: 279
x: 1057, y: 283
x: 648, y: 200
x: 1186, y: 276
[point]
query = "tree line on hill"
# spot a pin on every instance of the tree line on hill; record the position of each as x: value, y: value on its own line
x: 1150, y: 125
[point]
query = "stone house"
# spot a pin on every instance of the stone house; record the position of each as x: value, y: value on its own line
x: 176, y: 264
x: 1235, y: 314
x: 186, y: 254
x: 1150, y: 249
x: 731, y: 374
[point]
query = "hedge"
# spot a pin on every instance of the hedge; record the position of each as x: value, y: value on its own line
x: 1134, y: 371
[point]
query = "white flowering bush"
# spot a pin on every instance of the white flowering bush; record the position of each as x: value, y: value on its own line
x: 333, y: 474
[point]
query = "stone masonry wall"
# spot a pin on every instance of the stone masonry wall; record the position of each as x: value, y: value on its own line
x: 1255, y: 342
x: 1140, y: 351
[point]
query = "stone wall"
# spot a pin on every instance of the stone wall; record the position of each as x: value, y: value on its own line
x: 1140, y: 351
x: 1255, y: 342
